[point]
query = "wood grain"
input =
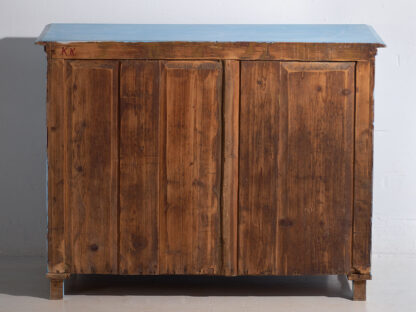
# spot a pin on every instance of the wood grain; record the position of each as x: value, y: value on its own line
x: 190, y: 214
x: 55, y: 146
x: 238, y: 159
x: 231, y: 106
x: 363, y: 167
x: 91, y: 163
x: 139, y: 167
x: 359, y: 277
x: 296, y: 176
x: 258, y: 172
x: 359, y: 290
x: 215, y: 50
x: 56, y: 289
x: 56, y: 285
x: 316, y: 181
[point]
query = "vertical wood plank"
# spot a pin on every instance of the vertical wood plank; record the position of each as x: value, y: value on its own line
x: 91, y: 187
x: 139, y: 167
x: 55, y: 145
x: 231, y: 106
x: 258, y: 170
x: 363, y: 167
x: 162, y: 200
x: 190, y: 215
x: 315, y: 168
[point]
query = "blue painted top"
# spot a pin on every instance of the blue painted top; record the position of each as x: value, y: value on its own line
x: 209, y: 33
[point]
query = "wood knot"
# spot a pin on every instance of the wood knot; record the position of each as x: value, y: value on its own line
x: 197, y: 182
x: 285, y: 222
x: 319, y: 88
x: 346, y: 92
x: 94, y: 247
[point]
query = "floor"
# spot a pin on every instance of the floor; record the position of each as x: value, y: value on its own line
x: 23, y: 287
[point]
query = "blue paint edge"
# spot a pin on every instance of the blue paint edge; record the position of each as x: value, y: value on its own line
x: 376, y: 40
x: 376, y: 35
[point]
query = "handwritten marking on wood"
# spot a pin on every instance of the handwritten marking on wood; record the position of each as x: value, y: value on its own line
x: 67, y: 51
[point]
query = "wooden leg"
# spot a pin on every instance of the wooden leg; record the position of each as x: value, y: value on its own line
x: 56, y: 289
x: 56, y: 285
x: 359, y: 290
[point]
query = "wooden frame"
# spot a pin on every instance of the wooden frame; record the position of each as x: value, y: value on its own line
x: 285, y: 51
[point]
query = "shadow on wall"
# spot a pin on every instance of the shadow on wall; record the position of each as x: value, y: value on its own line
x: 22, y: 147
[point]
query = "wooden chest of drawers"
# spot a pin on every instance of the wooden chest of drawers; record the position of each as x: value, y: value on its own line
x: 210, y: 149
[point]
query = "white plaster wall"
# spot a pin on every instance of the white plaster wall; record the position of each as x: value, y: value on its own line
x: 395, y: 110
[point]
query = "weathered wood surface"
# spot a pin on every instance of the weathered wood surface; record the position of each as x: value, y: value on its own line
x: 296, y: 156
x: 230, y: 161
x: 258, y: 172
x: 231, y: 106
x: 209, y: 50
x: 316, y: 145
x: 56, y: 289
x: 56, y: 285
x: 359, y: 290
x: 359, y: 277
x: 55, y: 128
x: 139, y: 167
x: 363, y: 168
x: 91, y: 161
x: 190, y: 230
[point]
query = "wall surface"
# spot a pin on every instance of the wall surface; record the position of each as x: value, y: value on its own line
x: 23, y: 83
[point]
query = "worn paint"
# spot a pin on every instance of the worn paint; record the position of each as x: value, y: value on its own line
x: 314, y: 33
